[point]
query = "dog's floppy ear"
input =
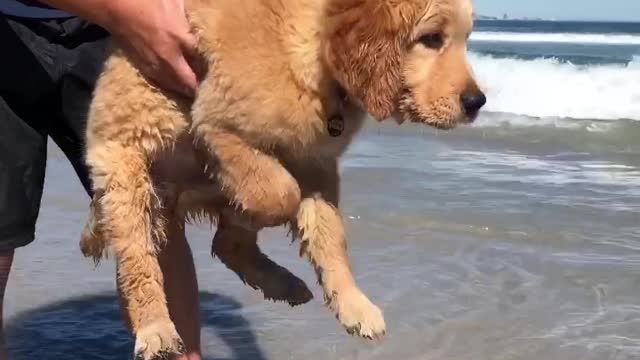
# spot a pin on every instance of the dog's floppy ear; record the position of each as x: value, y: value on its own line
x: 364, y: 46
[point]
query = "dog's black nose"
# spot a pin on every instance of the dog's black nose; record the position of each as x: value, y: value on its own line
x: 472, y: 101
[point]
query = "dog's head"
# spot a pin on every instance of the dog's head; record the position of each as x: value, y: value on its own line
x: 405, y: 58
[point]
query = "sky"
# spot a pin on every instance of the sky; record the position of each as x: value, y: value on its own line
x: 617, y: 10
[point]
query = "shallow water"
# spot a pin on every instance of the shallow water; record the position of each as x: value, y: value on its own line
x: 497, y: 241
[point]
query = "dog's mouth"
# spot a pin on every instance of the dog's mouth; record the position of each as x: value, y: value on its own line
x: 442, y: 115
x: 471, y: 116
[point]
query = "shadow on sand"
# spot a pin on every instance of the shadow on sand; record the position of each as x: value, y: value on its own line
x: 91, y: 328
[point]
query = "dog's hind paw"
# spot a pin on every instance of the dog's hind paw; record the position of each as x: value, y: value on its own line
x: 158, y: 341
x: 92, y: 241
x: 358, y: 315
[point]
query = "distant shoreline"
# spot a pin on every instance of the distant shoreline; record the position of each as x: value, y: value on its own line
x: 506, y: 17
x: 496, y: 18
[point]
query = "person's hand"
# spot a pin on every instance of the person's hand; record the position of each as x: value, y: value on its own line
x: 156, y: 35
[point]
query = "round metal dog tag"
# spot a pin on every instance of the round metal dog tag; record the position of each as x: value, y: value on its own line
x: 335, y: 126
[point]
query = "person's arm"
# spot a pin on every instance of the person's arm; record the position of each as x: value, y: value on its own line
x: 155, y: 33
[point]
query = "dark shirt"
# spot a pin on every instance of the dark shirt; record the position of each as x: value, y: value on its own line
x: 30, y: 9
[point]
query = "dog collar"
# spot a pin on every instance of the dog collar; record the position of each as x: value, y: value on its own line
x: 335, y: 123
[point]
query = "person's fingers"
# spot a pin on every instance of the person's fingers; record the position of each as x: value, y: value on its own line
x: 169, y: 70
x: 186, y: 76
x: 147, y: 62
x: 188, y: 42
x: 163, y: 76
x: 189, y: 45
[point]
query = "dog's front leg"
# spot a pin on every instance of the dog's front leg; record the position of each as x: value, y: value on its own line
x: 259, y: 187
x: 131, y: 220
x: 322, y: 241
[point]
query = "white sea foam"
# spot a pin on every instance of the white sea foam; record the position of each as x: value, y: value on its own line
x: 612, y: 39
x: 552, y: 89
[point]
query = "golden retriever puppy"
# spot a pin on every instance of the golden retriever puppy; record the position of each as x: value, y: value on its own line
x: 288, y: 85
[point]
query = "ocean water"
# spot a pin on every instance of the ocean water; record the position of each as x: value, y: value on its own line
x: 517, y: 237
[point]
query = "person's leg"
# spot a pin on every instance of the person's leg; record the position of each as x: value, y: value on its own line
x: 22, y: 165
x: 181, y: 287
x: 6, y: 259
x: 23, y: 79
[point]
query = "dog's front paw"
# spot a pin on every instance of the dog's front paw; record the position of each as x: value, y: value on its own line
x: 158, y: 341
x: 358, y: 315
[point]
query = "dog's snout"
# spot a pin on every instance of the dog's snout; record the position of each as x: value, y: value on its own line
x: 472, y: 101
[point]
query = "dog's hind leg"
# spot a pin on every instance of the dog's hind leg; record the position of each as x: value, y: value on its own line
x: 322, y: 240
x: 132, y: 221
x: 237, y: 248
x: 181, y: 285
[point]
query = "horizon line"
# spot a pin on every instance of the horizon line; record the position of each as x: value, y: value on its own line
x: 538, y: 18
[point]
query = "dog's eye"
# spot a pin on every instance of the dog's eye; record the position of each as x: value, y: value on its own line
x: 432, y: 41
